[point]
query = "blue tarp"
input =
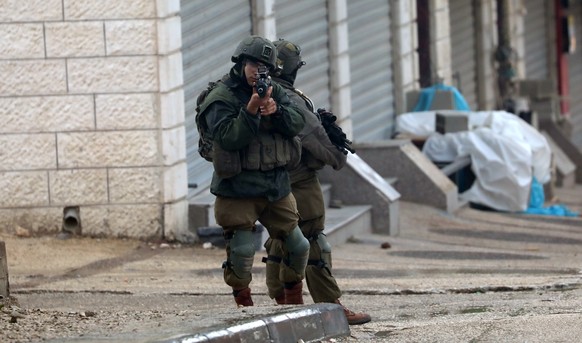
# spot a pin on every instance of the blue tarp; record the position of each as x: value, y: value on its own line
x: 536, y: 203
x: 427, y: 95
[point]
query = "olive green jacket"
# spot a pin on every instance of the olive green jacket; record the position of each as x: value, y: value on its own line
x: 318, y: 150
x: 233, y: 128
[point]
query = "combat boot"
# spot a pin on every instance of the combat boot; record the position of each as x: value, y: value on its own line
x: 354, y: 318
x: 294, y: 294
x: 242, y: 297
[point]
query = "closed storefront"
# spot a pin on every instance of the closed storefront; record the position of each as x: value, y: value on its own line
x: 305, y: 23
x: 210, y: 34
x: 371, y: 74
x: 537, y: 45
x: 463, y: 50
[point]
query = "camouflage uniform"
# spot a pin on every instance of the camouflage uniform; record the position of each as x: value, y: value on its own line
x: 317, y: 152
x: 250, y: 180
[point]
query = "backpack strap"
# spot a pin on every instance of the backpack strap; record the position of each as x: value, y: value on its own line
x: 305, y: 98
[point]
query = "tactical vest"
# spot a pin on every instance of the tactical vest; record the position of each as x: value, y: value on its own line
x: 266, y: 151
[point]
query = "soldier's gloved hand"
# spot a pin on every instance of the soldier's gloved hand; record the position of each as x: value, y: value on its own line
x: 327, y: 118
x: 323, y: 113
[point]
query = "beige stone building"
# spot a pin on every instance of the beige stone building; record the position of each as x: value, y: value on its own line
x: 92, y: 118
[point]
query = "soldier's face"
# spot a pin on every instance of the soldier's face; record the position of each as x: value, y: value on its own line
x: 251, y: 71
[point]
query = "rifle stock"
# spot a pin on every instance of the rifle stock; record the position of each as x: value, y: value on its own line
x: 334, y: 132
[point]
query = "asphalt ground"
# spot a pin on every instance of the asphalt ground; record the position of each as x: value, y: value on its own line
x: 472, y: 276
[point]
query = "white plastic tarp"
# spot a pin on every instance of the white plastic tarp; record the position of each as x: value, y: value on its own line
x: 506, y: 152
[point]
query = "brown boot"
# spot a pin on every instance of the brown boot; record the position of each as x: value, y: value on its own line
x: 294, y: 294
x: 242, y: 297
x: 355, y: 318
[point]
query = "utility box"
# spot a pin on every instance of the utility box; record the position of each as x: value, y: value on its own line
x: 4, y: 285
x: 448, y: 122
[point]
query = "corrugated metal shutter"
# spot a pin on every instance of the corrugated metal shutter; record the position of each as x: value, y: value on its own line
x: 575, y: 78
x: 371, y: 70
x: 462, y: 19
x: 211, y: 31
x: 304, y: 22
x: 536, y: 40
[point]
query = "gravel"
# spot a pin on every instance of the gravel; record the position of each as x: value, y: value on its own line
x: 19, y: 324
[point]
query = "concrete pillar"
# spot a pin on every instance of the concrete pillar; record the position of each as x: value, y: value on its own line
x: 341, y: 91
x: 4, y: 286
x: 486, y: 44
x: 264, y: 19
x: 404, y: 53
x: 440, y: 40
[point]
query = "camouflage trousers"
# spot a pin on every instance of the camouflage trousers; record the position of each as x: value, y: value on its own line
x: 238, y: 217
x: 320, y: 281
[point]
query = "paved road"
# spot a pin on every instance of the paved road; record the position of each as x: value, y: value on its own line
x: 469, y: 277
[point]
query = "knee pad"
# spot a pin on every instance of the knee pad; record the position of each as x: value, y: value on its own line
x: 297, y: 249
x: 242, y: 253
x: 320, y: 252
x: 324, y: 245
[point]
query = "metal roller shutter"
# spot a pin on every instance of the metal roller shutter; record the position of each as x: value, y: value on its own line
x: 371, y: 70
x: 536, y: 40
x: 462, y: 19
x: 210, y: 33
x: 575, y: 77
x: 304, y: 22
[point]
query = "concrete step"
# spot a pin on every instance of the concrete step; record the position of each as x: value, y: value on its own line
x: 419, y: 179
x: 563, y: 141
x: 392, y: 181
x: 341, y: 223
x: 565, y: 169
x: 347, y: 221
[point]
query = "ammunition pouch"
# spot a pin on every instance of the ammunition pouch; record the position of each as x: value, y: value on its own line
x: 270, y: 151
x: 296, y: 153
x: 226, y: 163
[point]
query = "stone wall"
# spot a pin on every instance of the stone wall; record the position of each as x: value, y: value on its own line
x: 92, y: 112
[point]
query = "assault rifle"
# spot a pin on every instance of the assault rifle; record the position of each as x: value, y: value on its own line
x: 334, y: 132
x: 263, y: 81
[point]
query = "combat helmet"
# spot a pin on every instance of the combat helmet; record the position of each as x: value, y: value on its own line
x: 288, y: 59
x: 257, y: 48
